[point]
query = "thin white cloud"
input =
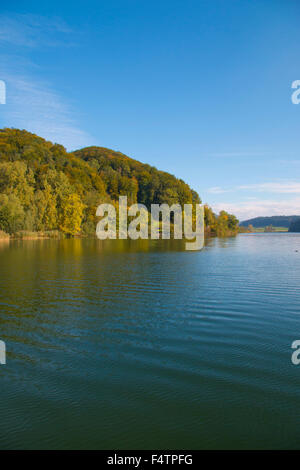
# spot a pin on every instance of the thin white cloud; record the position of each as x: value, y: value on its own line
x: 237, y: 154
x: 217, y: 190
x: 288, y: 187
x: 249, y: 209
x: 282, y: 188
x: 32, y: 31
x: 34, y: 106
x: 32, y: 103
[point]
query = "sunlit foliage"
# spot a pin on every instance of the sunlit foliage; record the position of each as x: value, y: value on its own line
x: 45, y: 188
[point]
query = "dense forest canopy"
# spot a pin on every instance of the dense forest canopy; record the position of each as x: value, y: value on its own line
x: 44, y: 188
x: 295, y: 226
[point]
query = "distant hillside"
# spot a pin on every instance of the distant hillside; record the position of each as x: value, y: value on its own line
x: 275, y: 221
x: 295, y: 226
x: 43, y: 188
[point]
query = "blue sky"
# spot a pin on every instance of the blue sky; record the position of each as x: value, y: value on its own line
x: 201, y: 89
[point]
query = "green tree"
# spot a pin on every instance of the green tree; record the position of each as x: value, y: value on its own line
x: 16, y: 178
x: 71, y: 215
x: 12, y: 214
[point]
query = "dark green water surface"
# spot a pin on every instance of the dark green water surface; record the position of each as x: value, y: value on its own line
x: 140, y: 345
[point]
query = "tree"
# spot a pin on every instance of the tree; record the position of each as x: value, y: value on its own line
x: 46, y: 209
x: 12, y: 215
x: 41, y: 181
x: 71, y: 215
x: 16, y: 178
x: 210, y: 219
x: 232, y: 222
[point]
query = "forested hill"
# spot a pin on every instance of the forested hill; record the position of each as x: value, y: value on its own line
x: 140, y: 182
x: 275, y: 221
x: 295, y: 226
x: 44, y: 188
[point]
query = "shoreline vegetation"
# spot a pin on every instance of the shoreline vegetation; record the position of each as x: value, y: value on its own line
x: 267, y: 229
x: 270, y: 224
x: 56, y: 235
x: 47, y: 192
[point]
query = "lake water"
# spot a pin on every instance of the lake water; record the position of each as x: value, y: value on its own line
x: 142, y: 345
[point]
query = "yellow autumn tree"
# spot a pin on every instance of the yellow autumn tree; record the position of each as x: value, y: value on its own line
x: 71, y: 214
